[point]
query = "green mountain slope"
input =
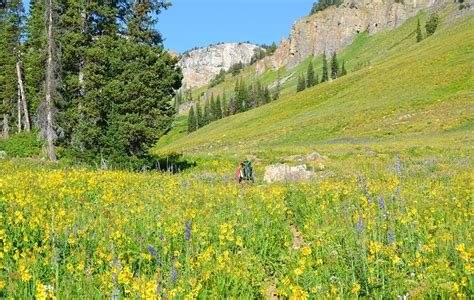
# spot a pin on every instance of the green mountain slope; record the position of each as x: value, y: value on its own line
x: 405, y: 90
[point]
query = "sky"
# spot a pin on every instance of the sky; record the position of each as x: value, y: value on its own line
x: 198, y: 23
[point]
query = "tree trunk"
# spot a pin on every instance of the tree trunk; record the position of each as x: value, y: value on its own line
x: 18, y: 107
x: 49, y: 82
x: 23, y: 94
x: 6, y: 129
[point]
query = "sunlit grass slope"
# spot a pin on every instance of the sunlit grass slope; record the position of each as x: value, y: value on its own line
x: 406, y: 89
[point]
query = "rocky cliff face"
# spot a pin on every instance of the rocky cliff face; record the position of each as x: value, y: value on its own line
x: 202, y: 65
x: 336, y: 27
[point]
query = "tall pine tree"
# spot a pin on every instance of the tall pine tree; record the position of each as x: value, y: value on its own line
x: 419, y: 35
x: 325, y: 75
x: 311, y: 80
x: 191, y: 120
x: 334, y: 66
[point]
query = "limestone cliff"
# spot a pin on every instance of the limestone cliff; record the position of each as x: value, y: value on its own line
x: 202, y: 65
x: 336, y: 27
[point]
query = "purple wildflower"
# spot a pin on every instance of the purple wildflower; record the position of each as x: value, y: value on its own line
x: 360, y: 224
x: 162, y: 237
x: 381, y: 203
x: 391, y: 237
x: 174, y: 274
x: 152, y: 251
x: 187, y: 233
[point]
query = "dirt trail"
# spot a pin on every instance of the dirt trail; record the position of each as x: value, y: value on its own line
x: 298, y: 242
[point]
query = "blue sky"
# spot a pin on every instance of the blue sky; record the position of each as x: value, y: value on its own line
x: 198, y: 23
x: 190, y: 23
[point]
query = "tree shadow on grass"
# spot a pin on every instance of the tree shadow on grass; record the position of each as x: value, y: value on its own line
x: 172, y: 163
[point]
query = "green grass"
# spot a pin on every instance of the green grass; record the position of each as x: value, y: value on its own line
x: 408, y: 90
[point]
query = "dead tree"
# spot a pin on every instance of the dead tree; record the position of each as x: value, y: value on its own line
x: 18, y: 108
x: 50, y: 135
x: 21, y: 90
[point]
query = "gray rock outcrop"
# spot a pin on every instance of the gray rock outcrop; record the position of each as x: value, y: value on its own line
x: 200, y: 66
x: 336, y: 27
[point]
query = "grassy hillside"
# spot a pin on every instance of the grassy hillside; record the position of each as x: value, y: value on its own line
x: 402, y: 89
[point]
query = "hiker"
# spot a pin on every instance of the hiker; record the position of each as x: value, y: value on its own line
x: 245, y: 172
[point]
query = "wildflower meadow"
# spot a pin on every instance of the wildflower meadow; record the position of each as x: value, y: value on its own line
x: 402, y: 229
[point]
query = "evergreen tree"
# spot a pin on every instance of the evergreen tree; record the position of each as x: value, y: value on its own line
x: 325, y: 76
x: 419, y: 34
x: 343, y: 69
x: 191, y: 120
x: 231, y: 106
x: 311, y: 80
x: 316, y: 80
x: 432, y: 24
x: 207, y: 112
x: 10, y: 34
x: 244, y: 96
x: 212, y: 110
x: 199, y: 117
x: 334, y: 66
x: 218, y: 111
x: 253, y: 94
x: 237, y: 102
x: 35, y: 55
x: 301, y: 83
x: 266, y: 95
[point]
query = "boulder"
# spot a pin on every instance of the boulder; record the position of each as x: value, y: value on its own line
x: 286, y: 173
x: 3, y: 154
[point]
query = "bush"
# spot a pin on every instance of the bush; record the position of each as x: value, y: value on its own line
x: 22, y: 145
x: 432, y: 24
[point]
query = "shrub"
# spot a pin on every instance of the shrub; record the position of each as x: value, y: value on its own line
x: 432, y: 24
x: 22, y: 145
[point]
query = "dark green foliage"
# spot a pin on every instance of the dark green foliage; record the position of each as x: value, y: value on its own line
x: 218, y: 79
x: 207, y: 113
x: 199, y: 116
x: 231, y: 106
x: 266, y: 96
x: 343, y: 69
x: 10, y: 34
x: 24, y: 144
x: 236, y: 68
x: 325, y: 76
x: 259, y: 54
x: 301, y: 83
x: 192, y: 124
x: 218, y: 108
x: 432, y: 24
x: 35, y: 55
x: 419, y: 35
x: 241, y: 96
x: 310, y: 78
x: 334, y: 66
x: 323, y: 4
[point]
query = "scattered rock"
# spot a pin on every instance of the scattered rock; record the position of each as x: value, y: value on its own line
x: 3, y: 154
x: 314, y: 156
x: 286, y: 173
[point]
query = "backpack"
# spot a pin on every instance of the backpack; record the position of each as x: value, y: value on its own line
x: 247, y: 172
